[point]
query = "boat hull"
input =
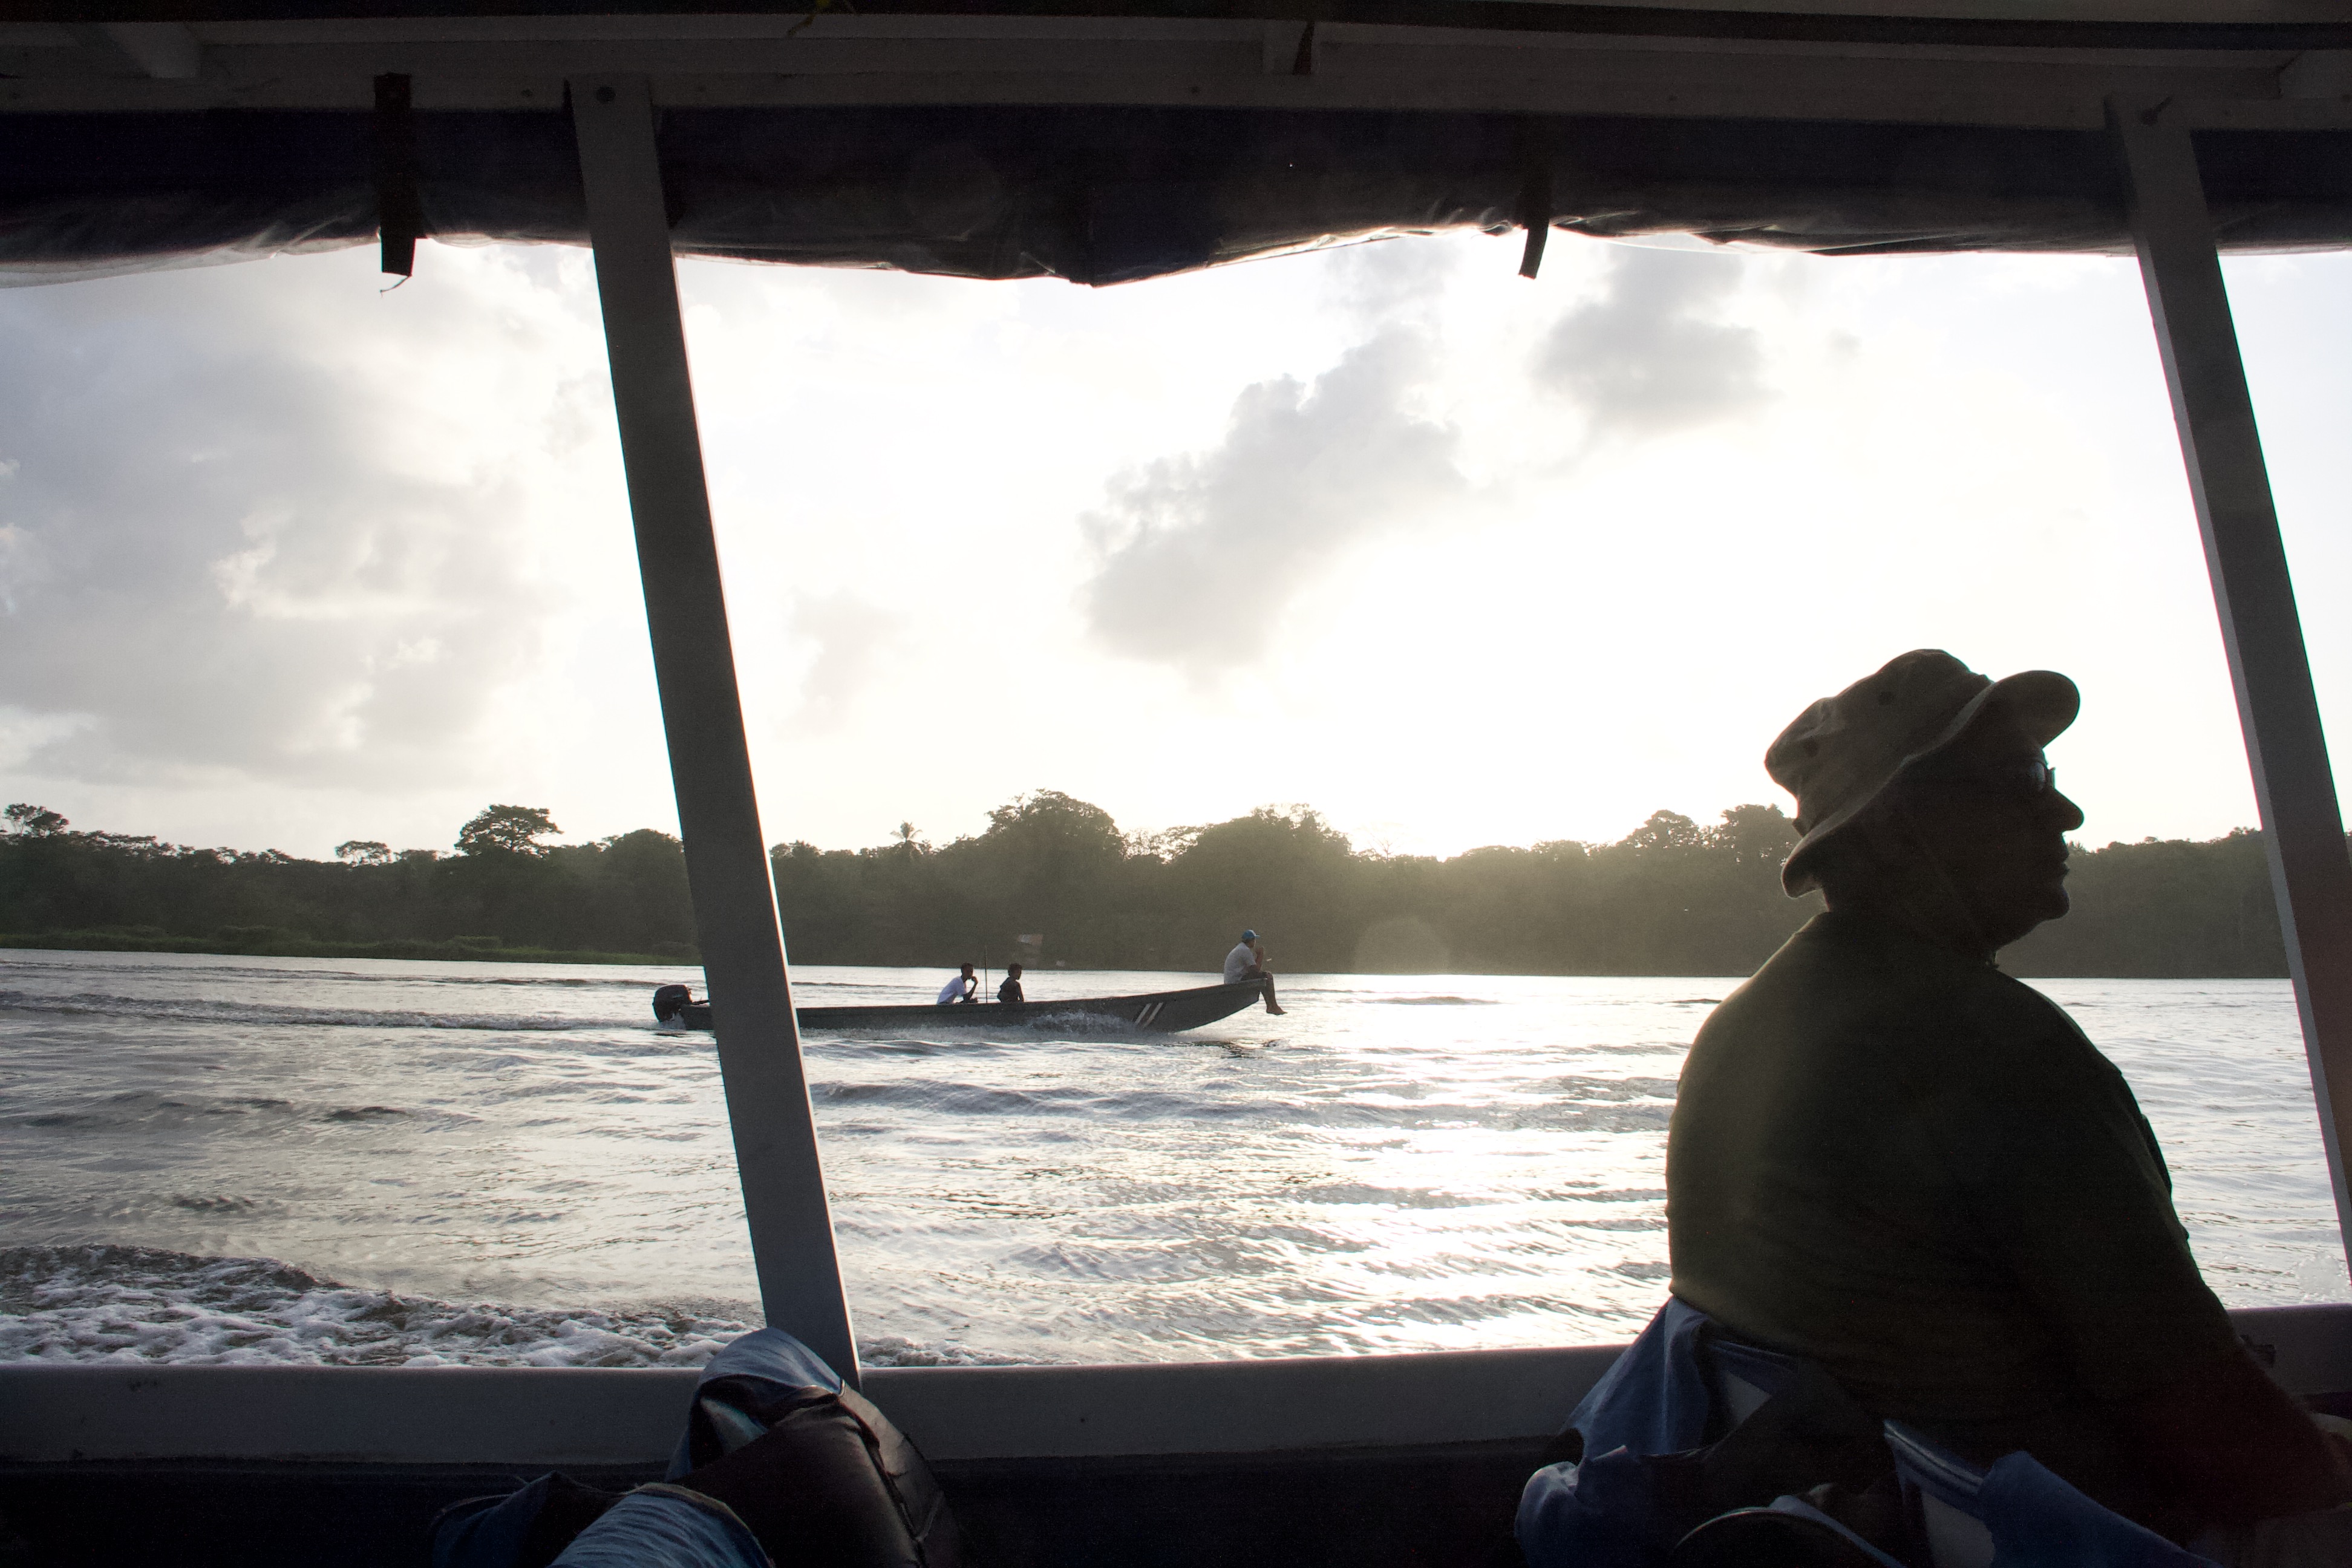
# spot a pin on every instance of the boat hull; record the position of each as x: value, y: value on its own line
x: 1153, y: 1011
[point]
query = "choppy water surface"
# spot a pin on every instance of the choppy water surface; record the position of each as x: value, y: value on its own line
x: 374, y: 1161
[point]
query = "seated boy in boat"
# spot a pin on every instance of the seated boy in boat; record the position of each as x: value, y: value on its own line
x: 1891, y: 1158
x: 964, y: 987
x: 1010, y: 992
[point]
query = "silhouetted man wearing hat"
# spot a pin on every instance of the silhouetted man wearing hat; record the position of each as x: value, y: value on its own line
x: 1890, y: 1158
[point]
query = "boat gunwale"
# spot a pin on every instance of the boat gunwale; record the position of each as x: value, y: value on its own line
x: 127, y: 1411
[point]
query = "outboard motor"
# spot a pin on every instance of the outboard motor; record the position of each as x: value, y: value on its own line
x: 669, y: 1002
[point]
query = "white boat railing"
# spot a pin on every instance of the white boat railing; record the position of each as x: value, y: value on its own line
x: 117, y: 1411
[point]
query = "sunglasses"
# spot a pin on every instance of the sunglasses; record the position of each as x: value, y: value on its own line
x: 2023, y: 778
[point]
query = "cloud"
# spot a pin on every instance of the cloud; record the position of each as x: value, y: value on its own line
x: 260, y: 523
x: 1386, y: 282
x: 1652, y: 356
x: 1196, y: 555
x: 849, y: 634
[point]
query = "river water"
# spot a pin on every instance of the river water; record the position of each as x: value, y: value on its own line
x: 234, y: 1160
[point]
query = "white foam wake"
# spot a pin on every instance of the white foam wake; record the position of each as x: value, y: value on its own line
x: 146, y: 1305
x: 199, y: 1010
x: 136, y: 1303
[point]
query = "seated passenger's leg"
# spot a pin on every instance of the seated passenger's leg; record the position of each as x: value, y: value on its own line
x: 666, y: 1526
x: 833, y: 1482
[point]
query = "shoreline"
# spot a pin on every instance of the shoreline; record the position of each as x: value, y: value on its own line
x: 461, y: 949
x: 485, y: 949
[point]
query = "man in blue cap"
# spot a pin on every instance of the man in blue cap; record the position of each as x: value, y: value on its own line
x: 1248, y: 962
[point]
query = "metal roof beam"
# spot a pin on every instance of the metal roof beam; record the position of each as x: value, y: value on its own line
x: 507, y: 63
x: 2294, y: 789
x: 702, y: 714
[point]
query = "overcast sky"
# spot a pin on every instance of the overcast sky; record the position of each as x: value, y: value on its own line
x: 1453, y: 557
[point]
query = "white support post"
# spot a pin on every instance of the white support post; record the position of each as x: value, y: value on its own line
x: 2293, y: 787
x: 710, y: 764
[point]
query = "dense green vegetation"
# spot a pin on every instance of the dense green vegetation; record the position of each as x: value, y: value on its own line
x: 2163, y: 908
x: 1674, y: 897
x: 619, y: 896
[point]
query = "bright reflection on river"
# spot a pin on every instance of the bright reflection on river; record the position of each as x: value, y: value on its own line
x: 1397, y: 1163
x: 1400, y: 1163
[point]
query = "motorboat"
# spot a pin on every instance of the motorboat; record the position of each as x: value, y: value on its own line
x: 1152, y: 1012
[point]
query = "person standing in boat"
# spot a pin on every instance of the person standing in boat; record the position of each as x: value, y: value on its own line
x: 964, y: 987
x: 1892, y: 1159
x: 1010, y: 992
x: 1246, y: 963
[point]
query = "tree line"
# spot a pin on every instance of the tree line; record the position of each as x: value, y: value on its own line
x: 1054, y: 880
x: 500, y: 892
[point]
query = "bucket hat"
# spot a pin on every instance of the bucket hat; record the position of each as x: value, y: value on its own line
x: 1843, y: 752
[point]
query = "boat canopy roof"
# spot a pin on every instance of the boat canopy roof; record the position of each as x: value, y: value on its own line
x: 1135, y: 141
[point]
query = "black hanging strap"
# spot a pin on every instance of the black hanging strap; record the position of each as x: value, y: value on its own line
x: 1535, y: 194
x: 399, y: 214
